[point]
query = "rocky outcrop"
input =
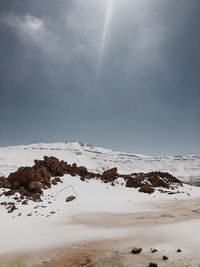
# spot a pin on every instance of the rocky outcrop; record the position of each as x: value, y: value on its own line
x: 30, y: 182
x: 147, y: 182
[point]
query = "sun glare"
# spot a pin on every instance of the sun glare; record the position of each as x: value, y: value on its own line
x: 106, y: 30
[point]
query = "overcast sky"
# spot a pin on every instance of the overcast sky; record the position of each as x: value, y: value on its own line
x: 123, y: 74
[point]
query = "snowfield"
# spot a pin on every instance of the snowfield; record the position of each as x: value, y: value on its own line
x: 102, y: 211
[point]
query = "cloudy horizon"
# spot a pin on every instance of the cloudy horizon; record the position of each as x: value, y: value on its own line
x: 117, y: 74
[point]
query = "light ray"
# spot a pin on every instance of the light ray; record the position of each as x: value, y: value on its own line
x: 106, y: 31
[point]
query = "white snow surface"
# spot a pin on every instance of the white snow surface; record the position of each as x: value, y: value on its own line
x: 50, y: 223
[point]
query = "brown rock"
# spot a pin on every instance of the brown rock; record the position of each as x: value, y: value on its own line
x: 153, y: 250
x: 24, y: 202
x: 54, y: 182
x: 1, y: 184
x: 152, y: 264
x: 9, y: 193
x: 70, y: 198
x: 134, y: 181
x: 35, y: 185
x: 136, y: 250
x: 82, y: 171
x: 146, y: 189
x: 110, y: 175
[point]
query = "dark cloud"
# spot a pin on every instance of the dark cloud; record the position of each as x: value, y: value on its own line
x: 144, y: 97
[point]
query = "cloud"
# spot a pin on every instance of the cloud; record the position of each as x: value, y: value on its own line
x: 25, y: 26
x: 32, y: 31
x: 148, y: 81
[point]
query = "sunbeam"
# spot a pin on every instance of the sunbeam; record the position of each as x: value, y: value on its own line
x: 106, y: 31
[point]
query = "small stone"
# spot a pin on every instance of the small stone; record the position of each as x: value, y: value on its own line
x: 24, y: 202
x: 153, y: 250
x: 179, y: 250
x: 54, y: 182
x: 136, y: 250
x: 70, y: 198
x: 164, y: 258
x: 152, y: 264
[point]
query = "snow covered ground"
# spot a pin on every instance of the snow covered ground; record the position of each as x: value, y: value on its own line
x: 101, y: 211
x: 49, y: 223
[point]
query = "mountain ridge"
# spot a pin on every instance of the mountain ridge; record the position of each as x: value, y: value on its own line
x: 186, y: 167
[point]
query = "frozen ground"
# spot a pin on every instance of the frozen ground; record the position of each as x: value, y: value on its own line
x: 107, y: 219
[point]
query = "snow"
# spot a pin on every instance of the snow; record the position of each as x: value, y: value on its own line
x: 46, y: 229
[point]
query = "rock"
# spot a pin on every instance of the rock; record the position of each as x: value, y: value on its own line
x: 152, y: 264
x: 4, y: 182
x: 22, y: 191
x: 132, y: 181
x: 82, y: 171
x: 35, y: 185
x: 54, y: 182
x: 164, y: 258
x: 146, y: 189
x: 70, y: 198
x: 179, y: 250
x: 162, y: 179
x: 22, y: 177
x: 36, y: 197
x: 74, y: 166
x: 110, y: 175
x: 1, y: 184
x: 11, y: 208
x: 153, y: 250
x: 136, y: 250
x: 58, y: 180
x: 10, y: 193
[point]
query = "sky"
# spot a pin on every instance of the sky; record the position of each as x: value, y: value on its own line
x: 122, y: 74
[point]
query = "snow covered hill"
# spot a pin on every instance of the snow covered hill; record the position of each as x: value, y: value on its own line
x: 185, y: 168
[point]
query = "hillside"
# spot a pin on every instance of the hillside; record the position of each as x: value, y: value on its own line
x: 186, y: 168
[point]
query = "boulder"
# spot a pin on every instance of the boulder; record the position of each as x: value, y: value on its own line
x: 110, y: 175
x: 82, y: 171
x: 146, y: 189
x: 134, y: 181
